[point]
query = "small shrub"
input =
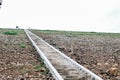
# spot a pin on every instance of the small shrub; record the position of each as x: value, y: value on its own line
x: 46, y: 72
x: 41, y: 67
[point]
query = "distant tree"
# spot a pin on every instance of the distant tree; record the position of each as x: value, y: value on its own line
x: 17, y: 27
x: 0, y: 3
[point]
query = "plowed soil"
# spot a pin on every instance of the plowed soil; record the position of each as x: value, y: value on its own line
x: 99, y: 52
x: 19, y: 60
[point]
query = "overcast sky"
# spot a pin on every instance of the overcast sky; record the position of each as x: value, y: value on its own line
x: 80, y: 15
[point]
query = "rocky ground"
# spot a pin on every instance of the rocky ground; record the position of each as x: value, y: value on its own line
x: 96, y: 51
x: 19, y: 60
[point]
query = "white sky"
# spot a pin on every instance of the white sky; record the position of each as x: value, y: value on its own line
x: 80, y: 15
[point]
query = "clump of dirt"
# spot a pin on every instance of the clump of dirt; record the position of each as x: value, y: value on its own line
x: 19, y: 60
x: 98, y: 53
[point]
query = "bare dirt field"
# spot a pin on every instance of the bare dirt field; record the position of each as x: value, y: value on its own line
x: 18, y: 58
x: 99, y: 52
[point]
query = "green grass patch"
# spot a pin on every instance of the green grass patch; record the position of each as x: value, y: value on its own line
x: 22, y: 45
x: 79, y: 33
x: 12, y: 32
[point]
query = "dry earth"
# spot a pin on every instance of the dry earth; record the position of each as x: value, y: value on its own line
x: 19, y: 60
x: 99, y: 53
